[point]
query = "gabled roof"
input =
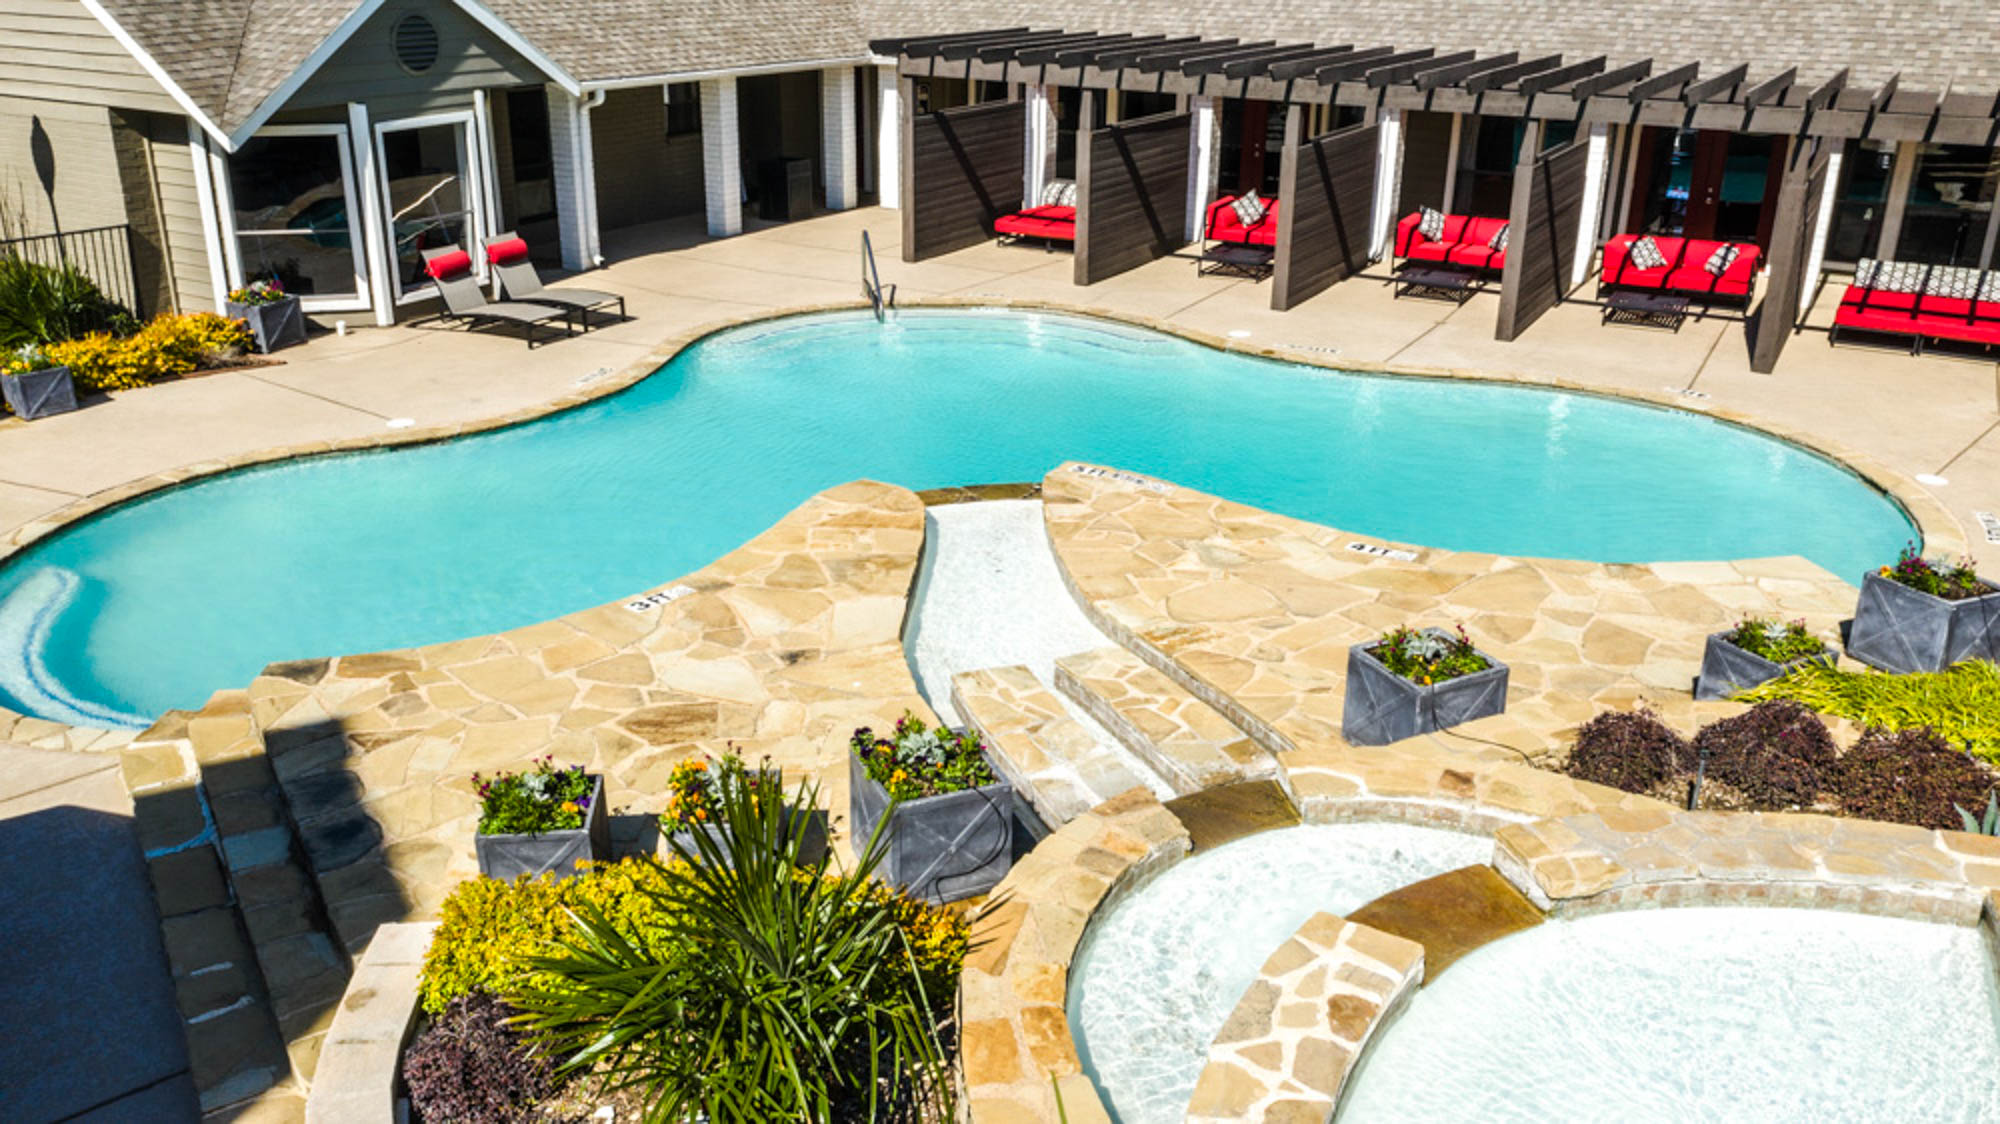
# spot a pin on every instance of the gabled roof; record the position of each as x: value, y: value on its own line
x: 605, y: 40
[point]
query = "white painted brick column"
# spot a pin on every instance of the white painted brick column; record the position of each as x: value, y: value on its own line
x: 888, y: 138
x: 1040, y: 163
x: 1596, y: 168
x: 721, y: 157
x: 1823, y: 224
x: 576, y: 210
x: 1388, y: 174
x: 838, y: 147
x: 1201, y: 164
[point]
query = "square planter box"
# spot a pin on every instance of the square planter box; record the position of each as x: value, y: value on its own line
x: 272, y: 326
x: 812, y: 843
x: 1900, y: 629
x: 1727, y: 669
x: 941, y: 848
x: 507, y: 856
x: 1383, y: 707
x: 37, y: 394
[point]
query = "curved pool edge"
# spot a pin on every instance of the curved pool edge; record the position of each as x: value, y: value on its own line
x: 1939, y: 530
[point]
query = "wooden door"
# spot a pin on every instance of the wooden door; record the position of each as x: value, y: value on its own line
x: 1250, y: 163
x: 1711, y: 161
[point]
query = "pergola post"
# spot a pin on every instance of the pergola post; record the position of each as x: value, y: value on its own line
x: 1388, y: 165
x: 889, y: 137
x: 721, y: 157
x: 1822, y: 224
x: 1595, y: 170
x: 1039, y: 153
x: 1202, y: 139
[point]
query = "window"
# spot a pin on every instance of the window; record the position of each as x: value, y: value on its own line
x: 683, y: 109
x: 1950, y: 205
x: 1855, y: 227
x: 431, y: 199
x: 294, y: 213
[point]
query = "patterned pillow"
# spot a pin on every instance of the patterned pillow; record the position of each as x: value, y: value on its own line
x: 1645, y: 254
x: 1899, y: 276
x: 1430, y: 223
x: 1069, y: 193
x: 1959, y: 283
x: 1719, y: 262
x: 1052, y: 192
x: 1498, y: 243
x: 1249, y: 209
x: 1989, y: 289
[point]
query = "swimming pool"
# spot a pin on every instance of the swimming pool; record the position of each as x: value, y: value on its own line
x: 160, y: 602
x: 1158, y: 973
x: 1698, y: 1014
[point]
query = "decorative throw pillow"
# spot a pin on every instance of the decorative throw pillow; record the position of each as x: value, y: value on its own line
x: 1645, y: 254
x: 1069, y: 193
x: 1864, y: 273
x: 1901, y: 276
x: 1956, y: 282
x: 1052, y: 193
x: 1989, y: 289
x: 1718, y: 263
x: 1430, y: 223
x: 1249, y: 209
x: 1498, y: 243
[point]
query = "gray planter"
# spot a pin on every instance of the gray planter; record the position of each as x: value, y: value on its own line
x: 272, y: 326
x: 508, y: 856
x: 37, y: 394
x: 812, y: 838
x: 1900, y: 629
x: 1383, y: 707
x: 1727, y: 669
x: 942, y: 848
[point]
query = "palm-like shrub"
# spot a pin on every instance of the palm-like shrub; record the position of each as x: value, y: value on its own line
x: 44, y: 304
x: 793, y: 995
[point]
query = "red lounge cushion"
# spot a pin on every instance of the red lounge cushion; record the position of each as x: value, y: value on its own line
x: 1477, y: 254
x: 1052, y: 213
x: 1034, y: 226
x: 1477, y: 231
x: 446, y: 266
x: 1431, y: 251
x: 511, y: 250
x: 1224, y: 225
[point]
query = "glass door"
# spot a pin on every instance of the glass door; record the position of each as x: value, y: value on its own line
x: 431, y: 190
x: 295, y: 213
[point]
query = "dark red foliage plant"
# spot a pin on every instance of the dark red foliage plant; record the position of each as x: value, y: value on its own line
x: 1778, y: 754
x: 1910, y: 776
x: 470, y: 1067
x: 1631, y: 750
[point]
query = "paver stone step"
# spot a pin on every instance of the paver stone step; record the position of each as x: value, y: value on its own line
x: 1189, y: 742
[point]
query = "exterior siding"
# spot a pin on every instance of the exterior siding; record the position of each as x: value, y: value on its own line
x: 642, y: 174
x: 88, y: 191
x: 180, y: 215
x: 365, y: 68
x: 54, y: 50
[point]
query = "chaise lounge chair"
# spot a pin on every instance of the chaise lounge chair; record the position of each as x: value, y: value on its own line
x: 450, y: 269
x: 508, y: 255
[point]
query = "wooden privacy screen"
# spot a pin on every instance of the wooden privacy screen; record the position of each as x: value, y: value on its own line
x: 1426, y: 158
x: 1132, y: 194
x: 1543, y: 224
x: 1799, y: 196
x: 1327, y: 186
x: 962, y: 168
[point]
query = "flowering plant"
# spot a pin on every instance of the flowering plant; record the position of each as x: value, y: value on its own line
x: 916, y: 761
x: 1779, y: 643
x: 1426, y: 658
x: 1939, y: 579
x: 696, y: 787
x: 27, y: 357
x: 546, y: 798
x: 259, y: 292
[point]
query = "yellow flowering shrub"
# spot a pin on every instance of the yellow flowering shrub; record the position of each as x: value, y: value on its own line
x: 167, y: 346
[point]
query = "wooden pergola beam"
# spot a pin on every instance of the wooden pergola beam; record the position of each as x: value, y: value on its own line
x: 1660, y: 84
x: 1404, y: 71
x: 961, y: 50
x: 1252, y: 68
x: 1598, y: 83
x: 922, y: 44
x: 1251, y: 53
x: 1175, y: 60
x: 1310, y: 65
x: 1459, y: 72
x: 1011, y: 51
x: 1111, y: 56
x: 1828, y: 90
x: 1550, y: 79
x: 1708, y: 89
x: 1770, y: 88
x: 1491, y: 79
x: 1355, y: 68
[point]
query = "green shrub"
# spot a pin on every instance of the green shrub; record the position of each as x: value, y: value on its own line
x: 1777, y: 754
x: 794, y: 995
x: 915, y: 761
x: 44, y: 304
x: 1961, y: 703
x: 544, y: 798
x: 1953, y: 581
x: 1630, y: 750
x: 1426, y: 658
x: 1910, y: 776
x: 1779, y: 643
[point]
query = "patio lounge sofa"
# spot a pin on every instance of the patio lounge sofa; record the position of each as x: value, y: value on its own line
x: 1225, y: 225
x: 1686, y: 272
x: 1921, y: 302
x: 1467, y: 242
x: 450, y: 269
x: 507, y: 256
x: 1052, y: 220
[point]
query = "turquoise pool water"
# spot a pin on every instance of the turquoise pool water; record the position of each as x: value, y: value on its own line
x: 161, y: 602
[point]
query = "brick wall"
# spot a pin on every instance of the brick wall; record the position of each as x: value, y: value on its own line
x: 642, y: 174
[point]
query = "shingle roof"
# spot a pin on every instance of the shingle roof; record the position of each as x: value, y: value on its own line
x: 229, y: 55
x: 1931, y: 42
x: 598, y: 40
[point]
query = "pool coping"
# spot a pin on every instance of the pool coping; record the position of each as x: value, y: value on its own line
x: 1939, y: 529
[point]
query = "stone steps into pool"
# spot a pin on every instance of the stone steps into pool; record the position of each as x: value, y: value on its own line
x: 256, y: 967
x: 1189, y: 742
x: 1451, y: 914
x: 1054, y: 762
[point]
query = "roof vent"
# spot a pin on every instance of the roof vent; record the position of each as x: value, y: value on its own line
x: 416, y: 42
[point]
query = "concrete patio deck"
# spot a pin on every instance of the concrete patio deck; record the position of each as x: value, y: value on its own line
x: 1932, y: 415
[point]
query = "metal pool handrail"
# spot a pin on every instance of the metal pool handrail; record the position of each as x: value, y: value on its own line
x: 871, y: 281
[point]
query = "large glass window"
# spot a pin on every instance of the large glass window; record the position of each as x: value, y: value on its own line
x: 1487, y: 149
x: 1855, y: 227
x: 1950, y: 203
x: 430, y: 196
x: 294, y: 214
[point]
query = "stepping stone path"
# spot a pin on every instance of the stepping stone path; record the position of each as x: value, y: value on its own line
x: 1048, y: 755
x: 1187, y: 741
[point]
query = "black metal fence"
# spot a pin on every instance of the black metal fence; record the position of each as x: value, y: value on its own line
x: 101, y: 253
